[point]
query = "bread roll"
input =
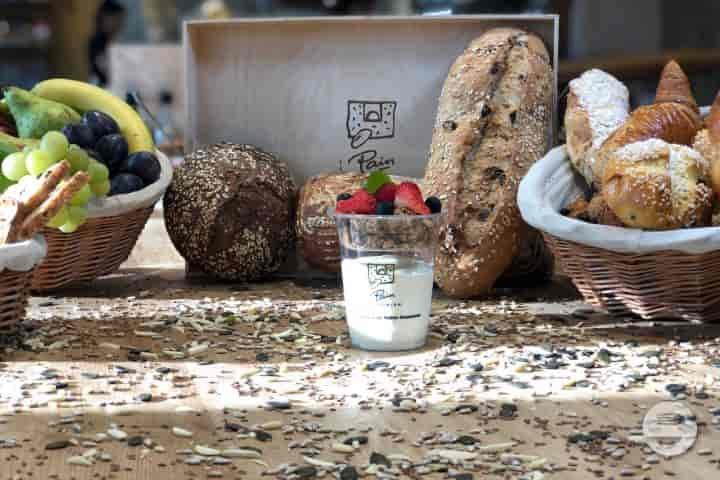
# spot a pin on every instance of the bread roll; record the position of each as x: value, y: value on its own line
x: 656, y: 185
x: 315, y: 228
x: 707, y: 142
x: 493, y: 122
x: 597, y: 105
x: 674, y: 118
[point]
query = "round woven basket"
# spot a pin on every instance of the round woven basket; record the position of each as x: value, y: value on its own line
x: 105, y: 241
x: 651, y: 274
x: 18, y: 263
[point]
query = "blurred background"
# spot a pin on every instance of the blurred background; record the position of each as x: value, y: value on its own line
x: 134, y: 45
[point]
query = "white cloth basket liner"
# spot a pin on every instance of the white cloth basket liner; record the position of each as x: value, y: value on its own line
x: 551, y: 184
x: 23, y: 256
x: 147, y: 197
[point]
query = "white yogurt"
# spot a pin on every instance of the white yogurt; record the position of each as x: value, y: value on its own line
x: 387, y: 301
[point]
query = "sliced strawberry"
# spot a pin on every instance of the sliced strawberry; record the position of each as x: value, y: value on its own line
x: 408, y: 195
x: 386, y: 193
x: 361, y: 203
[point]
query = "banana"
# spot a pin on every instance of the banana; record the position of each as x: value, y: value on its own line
x: 84, y: 97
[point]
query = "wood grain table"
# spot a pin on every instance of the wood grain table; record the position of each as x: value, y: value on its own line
x: 145, y: 376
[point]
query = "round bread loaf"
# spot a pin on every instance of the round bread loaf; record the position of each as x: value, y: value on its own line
x: 657, y: 185
x: 229, y: 211
x: 493, y: 122
x: 316, y: 230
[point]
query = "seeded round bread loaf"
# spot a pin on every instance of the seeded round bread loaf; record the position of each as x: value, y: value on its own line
x: 656, y: 185
x: 315, y: 228
x: 229, y: 211
x: 493, y: 122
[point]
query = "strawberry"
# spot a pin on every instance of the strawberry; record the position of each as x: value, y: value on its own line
x: 386, y: 193
x: 408, y: 195
x: 361, y: 203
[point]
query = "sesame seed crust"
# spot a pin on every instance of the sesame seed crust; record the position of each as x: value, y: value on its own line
x: 498, y: 98
x: 229, y: 211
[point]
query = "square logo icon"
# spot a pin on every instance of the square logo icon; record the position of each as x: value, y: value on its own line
x: 371, y: 119
x: 381, y: 273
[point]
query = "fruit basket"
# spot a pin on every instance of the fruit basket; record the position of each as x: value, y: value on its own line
x: 105, y: 241
x: 668, y: 274
x: 18, y: 262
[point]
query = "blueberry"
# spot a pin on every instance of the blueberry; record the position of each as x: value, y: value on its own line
x: 143, y: 164
x: 385, y: 208
x: 434, y: 204
x: 100, y: 123
x: 125, y: 183
x: 79, y: 134
x: 113, y: 150
x: 344, y: 196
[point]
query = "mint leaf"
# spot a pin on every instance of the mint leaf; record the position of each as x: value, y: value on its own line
x: 377, y: 179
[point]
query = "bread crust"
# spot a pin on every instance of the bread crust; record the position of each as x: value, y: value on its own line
x: 493, y: 122
x: 597, y: 105
x: 315, y: 229
x: 655, y: 185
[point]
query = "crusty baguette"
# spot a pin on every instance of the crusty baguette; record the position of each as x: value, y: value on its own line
x: 597, y: 104
x: 493, y: 122
x: 37, y: 220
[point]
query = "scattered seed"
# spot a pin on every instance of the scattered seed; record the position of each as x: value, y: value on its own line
x: 58, y: 445
x: 181, y: 432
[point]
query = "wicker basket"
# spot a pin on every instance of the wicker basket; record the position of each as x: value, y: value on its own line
x: 104, y: 242
x: 18, y: 263
x: 655, y: 275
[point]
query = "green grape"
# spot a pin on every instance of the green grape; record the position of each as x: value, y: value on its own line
x: 77, y: 214
x: 100, y: 189
x: 55, y: 144
x: 78, y: 158
x: 98, y: 172
x: 59, y: 219
x: 13, y: 167
x: 69, y: 227
x: 38, y: 161
x: 82, y: 197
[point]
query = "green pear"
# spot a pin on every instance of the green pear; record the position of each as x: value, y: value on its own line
x: 35, y: 116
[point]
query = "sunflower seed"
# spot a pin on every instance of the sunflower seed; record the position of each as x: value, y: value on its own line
x: 240, y: 453
x: 206, y: 451
x: 80, y: 460
x: 181, y: 432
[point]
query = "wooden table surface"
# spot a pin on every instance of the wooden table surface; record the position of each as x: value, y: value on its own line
x: 508, y: 387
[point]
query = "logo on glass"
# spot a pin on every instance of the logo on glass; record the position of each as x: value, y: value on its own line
x: 381, y: 274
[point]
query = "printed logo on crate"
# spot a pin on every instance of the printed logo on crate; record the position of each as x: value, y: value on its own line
x: 369, y: 122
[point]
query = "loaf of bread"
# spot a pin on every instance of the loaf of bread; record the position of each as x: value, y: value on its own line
x: 315, y: 228
x: 656, y: 185
x: 597, y: 104
x: 229, y: 211
x: 493, y: 122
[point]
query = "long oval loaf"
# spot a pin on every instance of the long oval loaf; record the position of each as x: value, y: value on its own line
x: 493, y: 122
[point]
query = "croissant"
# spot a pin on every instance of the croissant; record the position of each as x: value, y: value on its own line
x: 674, y: 118
x: 707, y: 142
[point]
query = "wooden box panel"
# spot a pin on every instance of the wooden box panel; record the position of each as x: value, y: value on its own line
x: 329, y: 94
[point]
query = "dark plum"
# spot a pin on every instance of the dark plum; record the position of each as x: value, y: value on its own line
x: 79, y: 134
x: 125, y: 183
x: 100, y: 123
x: 113, y: 150
x: 143, y: 164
